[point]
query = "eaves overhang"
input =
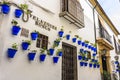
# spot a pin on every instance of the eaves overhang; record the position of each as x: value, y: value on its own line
x: 102, y: 13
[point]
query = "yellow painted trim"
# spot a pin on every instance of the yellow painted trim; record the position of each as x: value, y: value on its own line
x: 104, y: 16
x: 103, y: 42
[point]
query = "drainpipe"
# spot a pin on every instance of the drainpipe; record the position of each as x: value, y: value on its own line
x: 94, y: 24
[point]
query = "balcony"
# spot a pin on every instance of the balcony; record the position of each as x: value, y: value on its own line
x: 104, y: 34
x: 105, y: 39
x: 72, y: 11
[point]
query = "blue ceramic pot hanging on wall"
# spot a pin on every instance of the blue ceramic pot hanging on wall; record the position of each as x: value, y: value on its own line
x: 68, y: 37
x: 15, y: 30
x: 11, y: 52
x: 34, y: 35
x: 79, y: 57
x: 25, y: 45
x: 60, y: 33
x: 51, y: 51
x: 5, y: 9
x: 85, y: 63
x: 18, y: 13
x: 74, y: 40
x: 79, y: 42
x: 83, y: 43
x: 81, y: 63
x: 55, y: 59
x: 31, y: 56
x: 90, y: 65
x: 42, y: 57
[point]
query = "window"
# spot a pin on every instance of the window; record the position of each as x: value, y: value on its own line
x: 42, y: 41
x: 88, y: 55
x: 117, y: 46
x: 73, y: 12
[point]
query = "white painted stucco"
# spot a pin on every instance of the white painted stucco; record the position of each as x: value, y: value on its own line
x: 19, y: 68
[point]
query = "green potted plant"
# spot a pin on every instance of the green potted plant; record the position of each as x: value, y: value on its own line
x: 75, y: 38
x: 25, y: 44
x: 12, y: 51
x: 24, y: 7
x: 56, y: 42
x: 59, y: 52
x: 106, y: 75
x: 42, y: 55
x: 15, y: 28
x: 86, y: 43
x: 79, y: 40
x: 5, y: 7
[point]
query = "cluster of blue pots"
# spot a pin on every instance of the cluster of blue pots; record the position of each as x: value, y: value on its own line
x: 83, y: 63
x: 90, y: 65
x: 5, y: 9
x: 31, y: 56
x: 11, y: 52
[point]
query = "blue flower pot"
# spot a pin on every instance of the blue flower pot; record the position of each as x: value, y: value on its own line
x: 81, y: 50
x: 18, y: 13
x: 85, y: 51
x: 95, y: 49
x: 98, y: 66
x: 90, y: 65
x: 74, y: 40
x: 11, y: 52
x: 83, y: 43
x: 92, y: 48
x: 116, y: 62
x: 93, y: 60
x: 42, y: 57
x: 31, y: 56
x: 89, y: 46
x: 79, y: 42
x: 94, y: 54
x: 5, y: 9
x: 85, y: 64
x: 25, y: 45
x: 34, y: 35
x: 68, y: 37
x: 84, y: 58
x: 86, y: 45
x: 94, y: 65
x: 81, y: 63
x: 60, y: 33
x: 79, y: 57
x: 51, y: 51
x: 60, y: 53
x: 55, y: 59
x: 15, y: 30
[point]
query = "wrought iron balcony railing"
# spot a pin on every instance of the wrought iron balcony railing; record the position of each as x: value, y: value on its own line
x: 104, y: 34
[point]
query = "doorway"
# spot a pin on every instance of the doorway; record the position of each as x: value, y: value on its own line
x: 69, y: 62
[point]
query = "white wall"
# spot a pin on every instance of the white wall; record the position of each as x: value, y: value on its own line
x: 19, y: 68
